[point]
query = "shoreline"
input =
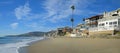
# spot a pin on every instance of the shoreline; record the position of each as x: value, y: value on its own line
x: 75, y: 45
x: 24, y: 49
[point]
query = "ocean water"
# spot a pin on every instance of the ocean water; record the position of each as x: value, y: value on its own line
x: 12, y: 44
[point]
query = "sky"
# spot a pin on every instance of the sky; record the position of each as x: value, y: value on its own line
x: 22, y: 16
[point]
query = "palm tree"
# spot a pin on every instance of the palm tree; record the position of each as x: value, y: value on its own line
x: 72, y: 20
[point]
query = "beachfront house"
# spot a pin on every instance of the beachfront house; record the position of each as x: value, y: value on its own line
x: 60, y: 32
x: 109, y: 23
x: 63, y: 31
x: 92, y: 23
x: 81, y: 30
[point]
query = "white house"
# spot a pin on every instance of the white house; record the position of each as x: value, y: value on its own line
x: 110, y: 21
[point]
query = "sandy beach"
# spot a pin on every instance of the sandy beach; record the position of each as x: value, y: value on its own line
x: 76, y: 45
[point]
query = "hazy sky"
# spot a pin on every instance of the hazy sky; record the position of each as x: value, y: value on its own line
x: 21, y: 16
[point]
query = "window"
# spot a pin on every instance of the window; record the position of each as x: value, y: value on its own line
x: 115, y: 22
x: 110, y: 23
x: 103, y: 24
x: 119, y: 22
x: 115, y: 15
x: 106, y: 22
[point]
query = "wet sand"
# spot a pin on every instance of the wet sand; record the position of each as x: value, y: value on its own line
x: 76, y: 45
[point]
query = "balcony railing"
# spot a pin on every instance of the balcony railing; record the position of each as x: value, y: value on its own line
x: 109, y: 18
x: 105, y: 28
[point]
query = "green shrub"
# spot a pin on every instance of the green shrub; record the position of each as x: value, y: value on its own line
x: 118, y: 33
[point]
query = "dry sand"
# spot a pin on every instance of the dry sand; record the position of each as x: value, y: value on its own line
x: 76, y: 45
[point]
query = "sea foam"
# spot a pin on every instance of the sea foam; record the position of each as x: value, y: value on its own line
x: 13, y: 47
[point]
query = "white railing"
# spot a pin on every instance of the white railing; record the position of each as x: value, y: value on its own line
x: 109, y: 18
x: 105, y: 28
x: 93, y: 29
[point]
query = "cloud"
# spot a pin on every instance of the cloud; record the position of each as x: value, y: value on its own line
x: 55, y: 11
x: 60, y: 9
x: 14, y: 25
x: 22, y: 11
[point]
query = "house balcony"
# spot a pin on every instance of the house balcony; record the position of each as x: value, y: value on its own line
x: 109, y: 18
x: 92, y: 23
x: 105, y: 28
